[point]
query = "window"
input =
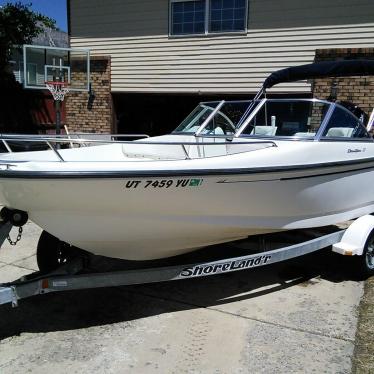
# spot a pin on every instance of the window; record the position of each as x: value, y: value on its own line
x: 207, y: 16
x: 227, y: 15
x: 188, y: 17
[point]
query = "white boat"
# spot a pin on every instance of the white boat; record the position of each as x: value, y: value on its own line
x: 230, y: 170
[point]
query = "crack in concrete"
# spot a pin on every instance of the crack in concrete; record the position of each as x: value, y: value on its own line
x: 3, y: 263
x: 335, y: 337
x: 22, y: 267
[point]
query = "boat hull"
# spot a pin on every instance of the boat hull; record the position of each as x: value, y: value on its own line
x: 156, y: 217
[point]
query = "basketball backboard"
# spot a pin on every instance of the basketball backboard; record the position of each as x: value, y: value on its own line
x: 43, y: 64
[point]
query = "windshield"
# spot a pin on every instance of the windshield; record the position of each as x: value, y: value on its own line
x: 225, y: 121
x: 299, y: 118
x: 288, y: 118
x: 196, y: 118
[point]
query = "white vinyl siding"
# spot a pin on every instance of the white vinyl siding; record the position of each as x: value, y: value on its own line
x: 146, y: 59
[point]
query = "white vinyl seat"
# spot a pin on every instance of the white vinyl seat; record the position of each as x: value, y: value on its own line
x: 218, y: 131
x: 340, y: 132
x: 264, y: 130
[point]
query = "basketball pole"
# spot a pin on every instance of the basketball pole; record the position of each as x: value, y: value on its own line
x: 58, y: 116
x: 58, y: 90
x: 58, y: 102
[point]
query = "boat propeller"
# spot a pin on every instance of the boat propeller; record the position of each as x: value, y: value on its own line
x: 16, y: 217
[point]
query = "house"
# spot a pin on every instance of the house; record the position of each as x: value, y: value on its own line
x: 157, y: 58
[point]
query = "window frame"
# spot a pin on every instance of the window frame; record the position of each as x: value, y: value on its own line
x: 206, y: 32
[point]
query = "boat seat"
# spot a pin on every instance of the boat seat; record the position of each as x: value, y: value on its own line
x: 342, y: 132
x: 304, y: 134
x: 264, y: 130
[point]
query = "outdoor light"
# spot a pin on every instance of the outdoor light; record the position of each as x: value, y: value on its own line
x: 334, y: 90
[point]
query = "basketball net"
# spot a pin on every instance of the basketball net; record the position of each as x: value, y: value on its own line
x: 57, y: 89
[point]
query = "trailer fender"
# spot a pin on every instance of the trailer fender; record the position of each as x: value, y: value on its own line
x: 355, y: 237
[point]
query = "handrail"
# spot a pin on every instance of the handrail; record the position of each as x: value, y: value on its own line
x: 58, y: 140
x: 5, y: 137
x: 67, y: 140
x: 78, y: 134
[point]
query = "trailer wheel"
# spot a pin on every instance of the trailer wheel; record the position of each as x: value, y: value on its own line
x: 52, y: 252
x: 365, y: 262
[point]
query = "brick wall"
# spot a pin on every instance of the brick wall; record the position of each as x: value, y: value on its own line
x: 359, y: 90
x: 95, y: 113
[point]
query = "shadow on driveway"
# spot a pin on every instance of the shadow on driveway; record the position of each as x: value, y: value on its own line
x: 95, y: 307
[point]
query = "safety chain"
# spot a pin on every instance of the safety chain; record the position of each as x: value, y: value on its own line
x: 19, y: 236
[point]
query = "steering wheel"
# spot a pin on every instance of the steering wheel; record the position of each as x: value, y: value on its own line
x: 226, y: 123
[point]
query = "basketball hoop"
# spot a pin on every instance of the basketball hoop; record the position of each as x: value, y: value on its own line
x: 57, y: 89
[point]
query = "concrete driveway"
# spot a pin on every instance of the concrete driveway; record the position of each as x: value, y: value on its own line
x: 298, y: 316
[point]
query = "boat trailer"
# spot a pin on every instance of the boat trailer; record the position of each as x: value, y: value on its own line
x: 356, y: 240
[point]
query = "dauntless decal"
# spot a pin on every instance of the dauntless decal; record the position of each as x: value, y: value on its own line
x: 201, y: 270
x: 356, y: 150
x: 164, y: 183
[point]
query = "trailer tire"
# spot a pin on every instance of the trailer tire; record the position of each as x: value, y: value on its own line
x: 51, y: 252
x: 365, y: 262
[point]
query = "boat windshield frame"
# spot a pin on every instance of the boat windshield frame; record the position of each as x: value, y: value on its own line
x: 254, y: 106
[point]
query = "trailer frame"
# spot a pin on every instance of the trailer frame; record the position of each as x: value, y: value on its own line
x: 72, y: 276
